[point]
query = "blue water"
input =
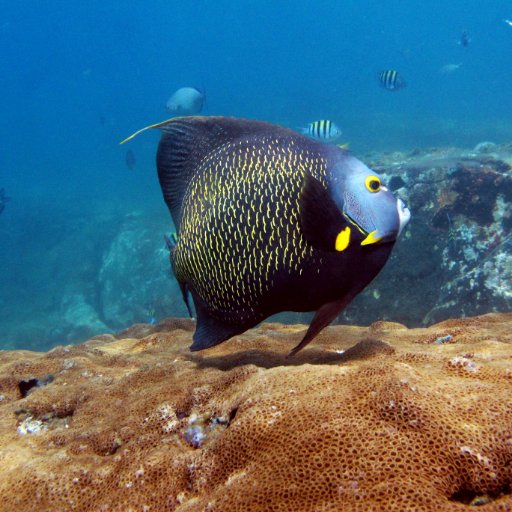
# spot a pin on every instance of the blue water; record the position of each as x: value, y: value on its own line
x: 78, y: 77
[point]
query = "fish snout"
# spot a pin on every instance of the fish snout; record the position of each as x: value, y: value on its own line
x: 404, y: 215
x: 389, y: 226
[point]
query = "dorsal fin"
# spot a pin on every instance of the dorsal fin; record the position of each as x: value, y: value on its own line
x: 186, y: 141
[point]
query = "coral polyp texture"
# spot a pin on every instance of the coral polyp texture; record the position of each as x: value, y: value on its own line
x: 366, y: 418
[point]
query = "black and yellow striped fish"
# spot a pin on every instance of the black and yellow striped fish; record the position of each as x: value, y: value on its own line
x: 391, y: 80
x: 268, y: 220
x: 323, y: 130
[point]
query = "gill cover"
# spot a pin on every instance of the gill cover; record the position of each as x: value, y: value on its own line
x: 322, y: 221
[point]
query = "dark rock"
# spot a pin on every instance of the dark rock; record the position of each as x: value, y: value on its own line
x: 454, y: 258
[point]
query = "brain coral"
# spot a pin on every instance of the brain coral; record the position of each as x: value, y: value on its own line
x: 378, y: 418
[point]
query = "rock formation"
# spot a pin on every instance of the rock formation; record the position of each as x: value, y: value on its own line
x: 458, y: 242
x: 379, y: 418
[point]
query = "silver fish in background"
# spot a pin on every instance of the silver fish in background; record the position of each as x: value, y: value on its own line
x: 3, y: 199
x: 187, y: 101
x: 449, y: 68
x: 130, y: 159
x: 391, y: 80
x: 323, y: 130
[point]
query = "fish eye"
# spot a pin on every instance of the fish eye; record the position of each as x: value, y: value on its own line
x: 372, y: 183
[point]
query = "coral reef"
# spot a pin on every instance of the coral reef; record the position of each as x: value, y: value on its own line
x: 380, y: 418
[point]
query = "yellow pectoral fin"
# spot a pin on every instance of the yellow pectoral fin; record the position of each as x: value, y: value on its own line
x: 342, y: 240
x: 371, y: 238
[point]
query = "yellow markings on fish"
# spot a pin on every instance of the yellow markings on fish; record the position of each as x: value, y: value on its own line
x: 245, y: 204
x: 372, y: 238
x: 372, y: 183
x: 157, y: 125
x: 342, y: 240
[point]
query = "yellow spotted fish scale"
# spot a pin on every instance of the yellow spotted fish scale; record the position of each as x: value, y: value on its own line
x: 240, y: 223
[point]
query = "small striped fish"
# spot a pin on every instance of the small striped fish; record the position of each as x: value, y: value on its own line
x: 323, y: 130
x: 391, y: 80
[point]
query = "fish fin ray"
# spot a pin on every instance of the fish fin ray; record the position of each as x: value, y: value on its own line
x: 320, y: 218
x: 185, y: 292
x: 170, y: 242
x: 146, y: 128
x: 323, y: 317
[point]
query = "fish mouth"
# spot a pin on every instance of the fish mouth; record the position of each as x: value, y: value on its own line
x: 353, y: 222
x: 373, y: 237
x: 404, y: 215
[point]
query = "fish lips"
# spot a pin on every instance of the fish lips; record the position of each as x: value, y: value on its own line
x: 382, y: 235
x: 404, y: 215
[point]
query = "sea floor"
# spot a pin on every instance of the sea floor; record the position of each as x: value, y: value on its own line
x: 379, y: 417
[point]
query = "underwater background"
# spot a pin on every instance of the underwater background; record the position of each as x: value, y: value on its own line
x: 81, y: 238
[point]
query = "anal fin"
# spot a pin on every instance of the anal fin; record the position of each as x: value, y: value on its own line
x: 323, y: 317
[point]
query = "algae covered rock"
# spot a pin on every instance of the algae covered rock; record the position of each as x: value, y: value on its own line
x: 454, y: 258
x: 134, y: 282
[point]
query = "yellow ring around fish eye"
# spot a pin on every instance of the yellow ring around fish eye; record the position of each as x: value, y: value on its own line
x: 372, y: 183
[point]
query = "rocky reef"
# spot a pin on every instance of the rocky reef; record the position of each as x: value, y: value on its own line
x: 454, y: 259
x: 380, y: 418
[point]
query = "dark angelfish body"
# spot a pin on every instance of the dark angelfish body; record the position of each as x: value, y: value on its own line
x: 269, y: 220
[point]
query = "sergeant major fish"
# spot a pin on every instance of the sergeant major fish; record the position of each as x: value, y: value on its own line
x: 268, y: 220
x: 323, y: 130
x: 391, y: 80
